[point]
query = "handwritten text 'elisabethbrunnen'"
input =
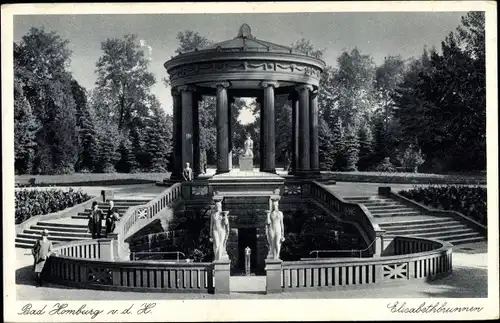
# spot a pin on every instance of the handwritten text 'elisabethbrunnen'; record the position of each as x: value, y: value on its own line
x: 432, y: 308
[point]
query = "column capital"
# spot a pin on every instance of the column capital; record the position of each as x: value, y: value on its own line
x: 265, y: 84
x: 175, y: 91
x: 224, y: 84
x: 303, y: 87
x: 185, y: 88
x: 313, y: 93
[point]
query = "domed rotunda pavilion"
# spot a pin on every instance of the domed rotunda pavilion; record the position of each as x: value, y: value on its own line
x: 245, y: 67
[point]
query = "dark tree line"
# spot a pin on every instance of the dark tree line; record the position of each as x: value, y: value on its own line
x: 427, y: 112
x: 60, y: 127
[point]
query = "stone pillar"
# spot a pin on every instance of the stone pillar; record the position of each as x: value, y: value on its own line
x: 177, y: 135
x: 259, y: 100
x: 230, y: 130
x: 221, y: 277
x: 313, y: 128
x: 222, y: 128
x: 295, y: 132
x: 273, y: 276
x: 106, y: 249
x: 268, y: 130
x: 304, y: 165
x: 187, y: 124
x: 196, y: 135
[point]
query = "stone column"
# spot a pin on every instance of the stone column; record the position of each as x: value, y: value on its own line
x: 304, y: 165
x: 177, y: 135
x: 222, y: 128
x: 268, y: 127
x: 230, y: 130
x: 187, y: 124
x: 295, y: 132
x: 196, y: 135
x: 313, y: 128
x: 259, y: 101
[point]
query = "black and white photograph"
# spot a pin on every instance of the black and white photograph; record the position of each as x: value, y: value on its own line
x: 250, y: 161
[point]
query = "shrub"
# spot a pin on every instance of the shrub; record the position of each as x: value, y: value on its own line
x: 385, y: 166
x: 30, y: 203
x: 470, y: 201
x: 412, y: 158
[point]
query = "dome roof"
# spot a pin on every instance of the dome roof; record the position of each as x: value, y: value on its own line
x: 246, y: 41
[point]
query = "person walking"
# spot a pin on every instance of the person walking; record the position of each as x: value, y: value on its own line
x: 111, y: 218
x: 95, y: 221
x: 41, y: 252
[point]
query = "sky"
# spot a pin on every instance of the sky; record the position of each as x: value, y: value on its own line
x: 378, y: 34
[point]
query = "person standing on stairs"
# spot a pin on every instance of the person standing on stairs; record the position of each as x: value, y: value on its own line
x: 95, y: 221
x: 111, y: 218
x: 41, y: 252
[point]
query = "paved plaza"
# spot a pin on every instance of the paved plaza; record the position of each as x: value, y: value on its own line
x: 468, y: 280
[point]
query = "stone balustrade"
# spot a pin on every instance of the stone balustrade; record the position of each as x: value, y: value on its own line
x: 415, y: 258
x: 354, y: 212
x: 89, y: 264
x: 143, y: 212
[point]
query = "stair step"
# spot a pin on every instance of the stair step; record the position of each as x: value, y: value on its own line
x: 395, y: 210
x: 365, y: 198
x: 406, y: 223
x: 385, y: 206
x: 446, y: 233
x: 391, y: 214
x: 75, y: 235
x: 51, y: 237
x: 459, y: 236
x: 62, y: 229
x: 466, y: 240
x: 418, y: 229
x: 47, y: 225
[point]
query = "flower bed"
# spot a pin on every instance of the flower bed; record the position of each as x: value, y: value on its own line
x: 470, y: 201
x: 34, y: 202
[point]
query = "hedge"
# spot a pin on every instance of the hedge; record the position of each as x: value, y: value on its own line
x: 470, y: 201
x: 30, y: 203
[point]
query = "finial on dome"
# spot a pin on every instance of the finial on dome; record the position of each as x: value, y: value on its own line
x: 245, y: 31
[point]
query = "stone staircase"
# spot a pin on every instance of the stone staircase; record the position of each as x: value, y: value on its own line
x: 399, y: 219
x: 71, y: 228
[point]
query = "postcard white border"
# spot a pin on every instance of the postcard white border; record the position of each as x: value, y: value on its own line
x: 268, y: 310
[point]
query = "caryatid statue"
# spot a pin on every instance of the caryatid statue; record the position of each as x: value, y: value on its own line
x: 275, y: 231
x: 248, y: 151
x: 219, y: 231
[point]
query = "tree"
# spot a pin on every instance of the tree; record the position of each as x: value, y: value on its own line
x: 304, y: 46
x: 365, y: 147
x: 40, y: 66
x: 190, y: 40
x: 326, y: 146
x: 87, y: 138
x: 351, y: 153
x: 387, y: 77
x: 25, y: 129
x: 338, y: 144
x: 158, y: 134
x: 442, y: 107
x: 353, y: 86
x: 123, y: 81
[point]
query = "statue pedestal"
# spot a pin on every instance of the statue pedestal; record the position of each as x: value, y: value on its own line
x: 246, y: 163
x: 221, y: 276
x: 273, y: 276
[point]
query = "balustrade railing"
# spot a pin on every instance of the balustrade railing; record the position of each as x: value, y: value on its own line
x: 416, y: 263
x: 87, y: 264
x: 350, y: 211
x: 145, y: 212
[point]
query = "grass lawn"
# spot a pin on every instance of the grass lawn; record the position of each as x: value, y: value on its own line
x: 92, y: 177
